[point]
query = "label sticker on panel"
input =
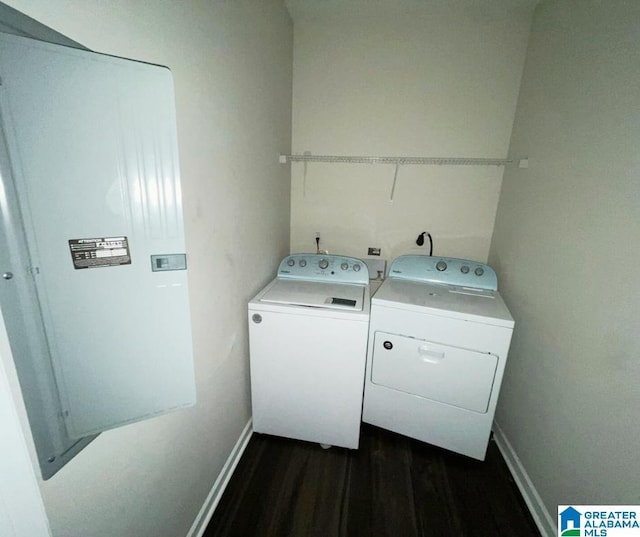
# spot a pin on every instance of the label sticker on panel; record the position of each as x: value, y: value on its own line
x: 102, y: 252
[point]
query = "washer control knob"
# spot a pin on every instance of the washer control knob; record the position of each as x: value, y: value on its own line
x: 356, y: 267
x: 323, y: 263
x: 303, y: 263
x: 256, y: 318
x: 388, y: 345
x: 441, y: 266
x: 464, y: 269
x: 291, y: 262
x: 344, y: 266
x: 479, y: 271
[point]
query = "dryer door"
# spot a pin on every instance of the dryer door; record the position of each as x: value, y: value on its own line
x: 443, y: 373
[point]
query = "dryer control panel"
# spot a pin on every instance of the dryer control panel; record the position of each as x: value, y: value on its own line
x: 444, y: 270
x: 324, y: 268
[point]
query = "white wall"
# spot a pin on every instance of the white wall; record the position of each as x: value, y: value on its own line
x: 404, y: 79
x: 565, y: 247
x: 21, y: 508
x: 232, y: 67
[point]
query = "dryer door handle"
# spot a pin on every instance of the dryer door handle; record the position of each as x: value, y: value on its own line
x: 429, y: 355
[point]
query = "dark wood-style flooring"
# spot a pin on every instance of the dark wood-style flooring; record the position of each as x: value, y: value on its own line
x: 391, y: 487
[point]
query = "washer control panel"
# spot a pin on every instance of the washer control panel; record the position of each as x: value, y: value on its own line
x: 445, y: 270
x: 324, y: 267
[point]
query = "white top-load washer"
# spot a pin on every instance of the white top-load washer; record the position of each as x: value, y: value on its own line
x: 308, y: 334
x: 438, y: 342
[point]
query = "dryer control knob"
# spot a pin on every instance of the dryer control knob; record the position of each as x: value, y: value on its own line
x: 323, y: 264
x: 256, y: 318
x: 441, y: 266
x: 344, y: 266
x: 356, y: 267
x: 291, y: 262
x: 303, y: 263
x: 479, y: 271
x: 464, y: 269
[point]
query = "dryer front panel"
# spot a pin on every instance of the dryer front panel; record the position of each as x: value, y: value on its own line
x: 456, y: 376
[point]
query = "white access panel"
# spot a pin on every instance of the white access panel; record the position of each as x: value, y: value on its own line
x: 444, y: 373
x: 92, y: 141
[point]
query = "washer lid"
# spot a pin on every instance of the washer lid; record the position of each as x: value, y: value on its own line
x: 464, y: 303
x: 315, y: 294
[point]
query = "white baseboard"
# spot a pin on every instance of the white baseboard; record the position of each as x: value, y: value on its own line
x: 538, y: 511
x: 206, y: 511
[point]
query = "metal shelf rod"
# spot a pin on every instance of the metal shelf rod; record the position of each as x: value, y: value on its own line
x: 398, y: 161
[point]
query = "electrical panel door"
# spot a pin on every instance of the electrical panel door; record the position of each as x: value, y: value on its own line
x: 92, y: 146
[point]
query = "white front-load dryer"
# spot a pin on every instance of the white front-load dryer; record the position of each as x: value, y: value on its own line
x: 438, y: 341
x: 308, y: 333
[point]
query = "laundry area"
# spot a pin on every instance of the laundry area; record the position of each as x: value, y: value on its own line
x: 438, y: 197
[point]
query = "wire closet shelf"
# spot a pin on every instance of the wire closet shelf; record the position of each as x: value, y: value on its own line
x: 441, y: 161
x: 396, y: 161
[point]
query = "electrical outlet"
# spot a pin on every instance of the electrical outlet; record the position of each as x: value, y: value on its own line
x: 373, y: 251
